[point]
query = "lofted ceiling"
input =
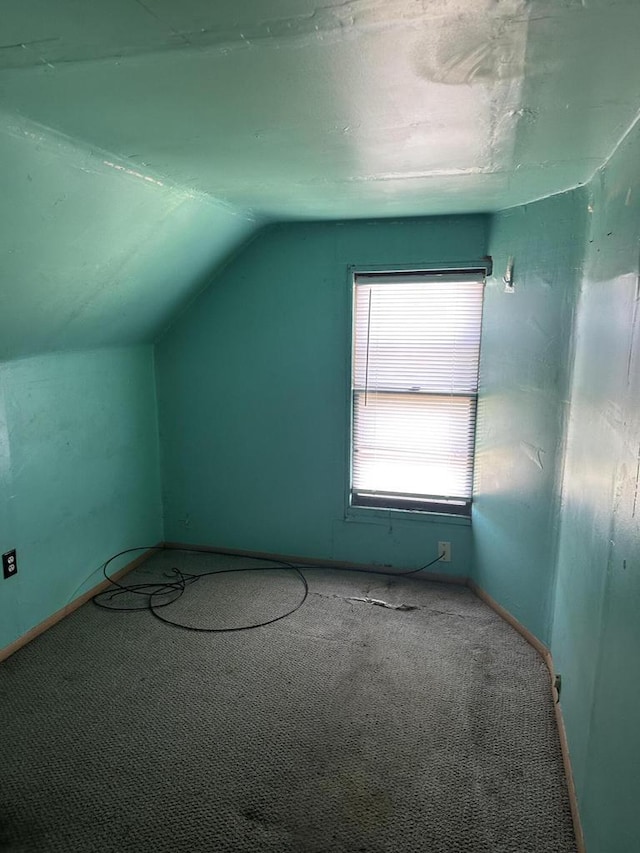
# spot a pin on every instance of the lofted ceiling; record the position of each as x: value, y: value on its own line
x: 142, y: 141
x: 327, y: 108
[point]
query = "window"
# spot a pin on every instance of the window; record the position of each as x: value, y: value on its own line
x: 416, y: 347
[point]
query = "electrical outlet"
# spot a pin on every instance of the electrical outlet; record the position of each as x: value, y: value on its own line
x: 444, y: 548
x: 9, y: 564
x: 557, y: 685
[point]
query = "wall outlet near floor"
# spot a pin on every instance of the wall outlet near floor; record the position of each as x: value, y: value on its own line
x: 444, y: 548
x: 9, y: 564
x: 557, y: 686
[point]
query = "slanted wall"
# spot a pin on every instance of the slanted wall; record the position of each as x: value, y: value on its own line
x: 96, y: 253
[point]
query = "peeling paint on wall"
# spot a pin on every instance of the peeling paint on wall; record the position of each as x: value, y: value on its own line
x: 533, y: 453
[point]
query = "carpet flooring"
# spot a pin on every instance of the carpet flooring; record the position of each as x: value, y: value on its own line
x: 345, y: 728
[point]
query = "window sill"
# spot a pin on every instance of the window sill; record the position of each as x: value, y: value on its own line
x: 378, y: 515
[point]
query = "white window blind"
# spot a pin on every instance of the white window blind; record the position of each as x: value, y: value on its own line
x: 416, y: 346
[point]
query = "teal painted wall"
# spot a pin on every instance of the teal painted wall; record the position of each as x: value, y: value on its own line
x: 97, y: 252
x: 596, y: 626
x: 253, y: 397
x: 524, y: 389
x: 78, y: 474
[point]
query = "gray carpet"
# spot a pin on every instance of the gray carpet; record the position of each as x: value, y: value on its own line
x: 346, y: 727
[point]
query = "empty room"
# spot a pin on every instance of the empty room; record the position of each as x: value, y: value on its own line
x: 320, y: 426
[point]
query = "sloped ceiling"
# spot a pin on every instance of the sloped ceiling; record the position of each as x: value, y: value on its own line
x: 95, y: 253
x: 142, y: 140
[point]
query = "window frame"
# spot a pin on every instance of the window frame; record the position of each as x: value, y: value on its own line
x: 370, y: 512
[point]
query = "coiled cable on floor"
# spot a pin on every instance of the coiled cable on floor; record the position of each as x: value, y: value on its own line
x: 177, y: 582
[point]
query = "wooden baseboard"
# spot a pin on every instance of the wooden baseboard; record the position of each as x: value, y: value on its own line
x: 542, y: 650
x: 460, y: 580
x: 545, y: 654
x: 7, y: 651
x: 568, y: 772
